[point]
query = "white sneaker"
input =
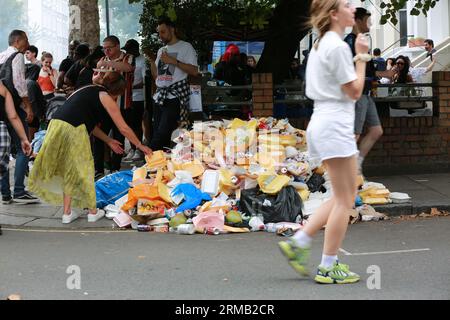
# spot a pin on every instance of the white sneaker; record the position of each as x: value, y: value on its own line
x: 129, y: 156
x: 138, y: 156
x: 67, y: 219
x: 96, y: 217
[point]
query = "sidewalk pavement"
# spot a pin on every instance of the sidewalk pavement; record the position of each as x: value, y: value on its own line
x: 426, y: 190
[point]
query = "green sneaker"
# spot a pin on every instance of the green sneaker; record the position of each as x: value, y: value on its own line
x: 338, y: 274
x: 298, y: 257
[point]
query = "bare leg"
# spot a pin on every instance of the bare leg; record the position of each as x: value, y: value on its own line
x: 67, y: 205
x: 319, y: 219
x: 372, y: 136
x: 343, y: 179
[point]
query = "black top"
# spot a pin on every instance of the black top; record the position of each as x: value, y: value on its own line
x: 83, y: 107
x: 3, y: 116
x: 74, y: 72
x: 36, y: 97
x: 84, y: 78
x: 66, y: 64
x: 370, y: 66
x: 32, y: 71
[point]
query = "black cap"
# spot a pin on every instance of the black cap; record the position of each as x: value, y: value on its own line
x: 361, y: 13
x: 132, y: 47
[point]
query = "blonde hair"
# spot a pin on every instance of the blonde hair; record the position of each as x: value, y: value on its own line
x: 320, y: 16
x: 46, y: 55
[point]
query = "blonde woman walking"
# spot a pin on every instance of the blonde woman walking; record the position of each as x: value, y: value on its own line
x: 335, y: 86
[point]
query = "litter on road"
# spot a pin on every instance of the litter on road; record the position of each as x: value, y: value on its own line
x: 230, y: 177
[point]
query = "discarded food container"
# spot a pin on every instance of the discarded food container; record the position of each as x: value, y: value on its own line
x: 123, y: 220
x: 398, y: 197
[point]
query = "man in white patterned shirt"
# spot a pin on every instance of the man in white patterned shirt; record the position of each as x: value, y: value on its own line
x: 13, y: 73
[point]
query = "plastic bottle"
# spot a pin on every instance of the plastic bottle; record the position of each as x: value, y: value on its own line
x: 257, y: 224
x: 271, y: 227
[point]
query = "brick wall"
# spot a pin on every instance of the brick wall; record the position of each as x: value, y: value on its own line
x: 262, y: 95
x: 419, y: 144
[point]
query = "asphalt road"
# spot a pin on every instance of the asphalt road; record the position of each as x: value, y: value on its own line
x: 130, y: 265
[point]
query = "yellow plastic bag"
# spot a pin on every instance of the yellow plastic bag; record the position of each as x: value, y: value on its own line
x: 164, y: 192
x: 227, y: 182
x: 304, y: 194
x: 140, y: 174
x: 195, y: 168
x: 157, y: 160
x: 272, y: 184
x: 374, y: 201
x: 143, y: 191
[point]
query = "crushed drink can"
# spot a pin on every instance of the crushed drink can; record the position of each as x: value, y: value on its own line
x: 144, y: 228
x: 188, y: 213
x: 212, y: 231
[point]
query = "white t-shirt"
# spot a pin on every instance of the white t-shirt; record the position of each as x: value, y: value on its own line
x: 170, y: 74
x: 331, y: 131
x: 329, y: 67
x: 139, y: 76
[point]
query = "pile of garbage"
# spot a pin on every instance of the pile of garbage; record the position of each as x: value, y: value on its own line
x: 226, y: 177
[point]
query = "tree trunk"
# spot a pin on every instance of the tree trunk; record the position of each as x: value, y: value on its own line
x: 85, y: 21
x: 287, y: 28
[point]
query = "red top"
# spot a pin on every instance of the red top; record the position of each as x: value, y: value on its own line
x: 46, y: 84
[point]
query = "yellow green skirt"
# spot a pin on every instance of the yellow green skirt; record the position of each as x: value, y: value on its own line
x: 65, y: 165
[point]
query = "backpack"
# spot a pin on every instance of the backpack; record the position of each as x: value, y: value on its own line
x: 6, y: 74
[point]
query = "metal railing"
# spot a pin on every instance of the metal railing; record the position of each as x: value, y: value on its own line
x: 214, y: 96
x: 291, y: 90
x: 294, y: 95
x: 409, y: 92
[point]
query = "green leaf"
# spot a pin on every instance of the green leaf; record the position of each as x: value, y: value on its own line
x: 415, y: 12
x: 171, y: 13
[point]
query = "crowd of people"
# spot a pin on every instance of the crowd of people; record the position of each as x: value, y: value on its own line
x: 103, y: 101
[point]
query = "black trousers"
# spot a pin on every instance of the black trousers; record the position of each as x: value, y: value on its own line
x: 165, y: 122
x: 99, y: 148
x: 134, y: 117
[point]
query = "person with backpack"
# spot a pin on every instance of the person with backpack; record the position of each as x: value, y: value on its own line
x: 13, y: 73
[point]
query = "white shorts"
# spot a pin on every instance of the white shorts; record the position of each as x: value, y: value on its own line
x: 331, y: 135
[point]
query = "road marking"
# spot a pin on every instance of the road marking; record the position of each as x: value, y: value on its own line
x: 345, y: 252
x: 389, y: 252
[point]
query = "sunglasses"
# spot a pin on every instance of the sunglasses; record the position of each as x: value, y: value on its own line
x: 400, y: 63
x: 107, y: 49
